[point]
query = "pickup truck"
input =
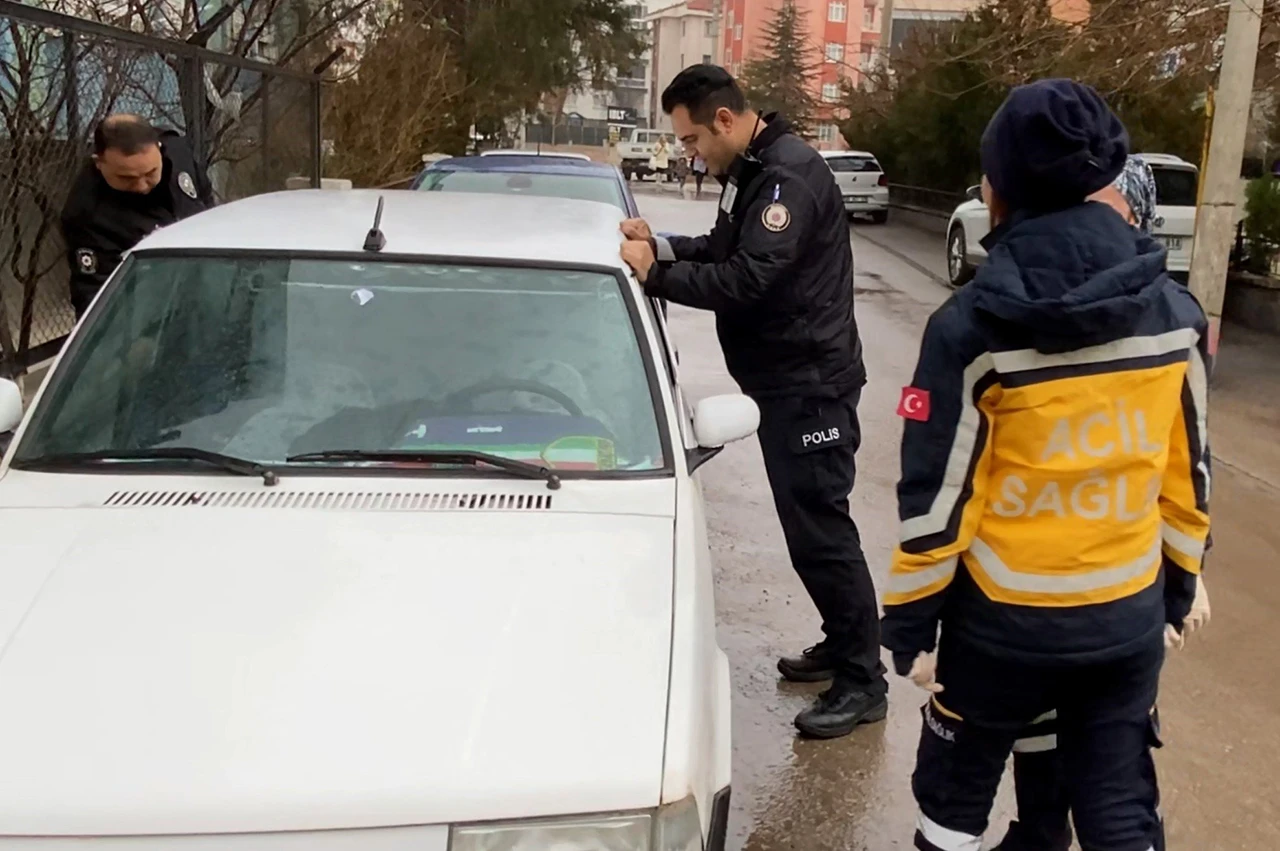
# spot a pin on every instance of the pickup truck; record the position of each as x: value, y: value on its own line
x: 635, y: 150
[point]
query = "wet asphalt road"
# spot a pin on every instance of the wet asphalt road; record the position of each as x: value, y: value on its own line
x: 1221, y: 771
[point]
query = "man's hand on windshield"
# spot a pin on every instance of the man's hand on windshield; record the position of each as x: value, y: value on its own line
x: 639, y: 256
x: 636, y: 229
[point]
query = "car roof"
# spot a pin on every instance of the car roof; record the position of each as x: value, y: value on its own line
x: 836, y: 154
x: 526, y: 164
x: 439, y: 224
x: 566, y: 155
x: 1166, y: 159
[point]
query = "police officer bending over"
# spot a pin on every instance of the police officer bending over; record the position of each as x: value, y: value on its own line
x: 137, y: 180
x: 778, y: 272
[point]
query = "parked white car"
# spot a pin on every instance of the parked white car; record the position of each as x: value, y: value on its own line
x: 862, y: 182
x: 1177, y: 182
x: 324, y: 538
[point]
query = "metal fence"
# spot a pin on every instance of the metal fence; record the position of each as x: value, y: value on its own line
x: 252, y: 124
x: 567, y: 133
x: 924, y: 199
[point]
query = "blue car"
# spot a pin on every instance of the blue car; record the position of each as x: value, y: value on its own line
x: 545, y: 175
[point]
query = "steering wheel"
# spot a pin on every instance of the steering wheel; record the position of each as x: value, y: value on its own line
x: 494, y: 385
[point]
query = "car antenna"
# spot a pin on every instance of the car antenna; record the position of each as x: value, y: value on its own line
x: 376, y: 240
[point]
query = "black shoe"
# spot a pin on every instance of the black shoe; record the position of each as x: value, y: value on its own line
x: 811, y: 666
x: 838, y: 710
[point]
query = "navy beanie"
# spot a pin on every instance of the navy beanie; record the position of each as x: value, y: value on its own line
x: 1051, y: 145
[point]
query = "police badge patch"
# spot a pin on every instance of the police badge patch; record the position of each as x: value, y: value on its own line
x: 87, y: 261
x: 776, y: 217
x: 186, y: 184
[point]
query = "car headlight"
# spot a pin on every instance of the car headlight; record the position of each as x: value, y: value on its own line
x: 671, y: 828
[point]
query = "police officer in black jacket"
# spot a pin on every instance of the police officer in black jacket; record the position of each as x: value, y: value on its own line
x: 137, y: 180
x: 777, y: 270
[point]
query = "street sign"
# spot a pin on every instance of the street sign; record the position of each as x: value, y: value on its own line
x: 621, y: 115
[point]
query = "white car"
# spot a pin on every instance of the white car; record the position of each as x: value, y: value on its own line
x: 862, y: 182
x: 325, y: 538
x: 1177, y: 182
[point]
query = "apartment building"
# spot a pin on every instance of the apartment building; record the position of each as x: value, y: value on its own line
x: 905, y: 15
x: 845, y: 36
x: 680, y: 34
x: 629, y: 92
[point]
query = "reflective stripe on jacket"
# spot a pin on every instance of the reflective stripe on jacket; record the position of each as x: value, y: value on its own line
x: 1062, y: 473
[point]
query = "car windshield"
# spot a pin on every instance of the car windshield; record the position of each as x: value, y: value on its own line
x: 579, y: 187
x: 853, y: 164
x: 1175, y: 187
x: 265, y: 358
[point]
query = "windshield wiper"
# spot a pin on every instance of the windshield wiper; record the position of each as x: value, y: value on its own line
x: 230, y: 463
x: 436, y: 456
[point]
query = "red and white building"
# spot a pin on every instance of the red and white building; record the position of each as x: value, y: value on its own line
x: 845, y: 36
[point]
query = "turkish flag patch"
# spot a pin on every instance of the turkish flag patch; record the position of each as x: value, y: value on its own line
x: 914, y: 404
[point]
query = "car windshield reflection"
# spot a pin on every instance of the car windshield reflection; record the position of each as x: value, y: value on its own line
x: 268, y: 358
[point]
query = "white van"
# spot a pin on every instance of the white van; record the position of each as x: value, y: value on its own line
x: 1177, y: 184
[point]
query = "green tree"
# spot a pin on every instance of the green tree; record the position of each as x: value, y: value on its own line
x: 781, y: 78
x: 924, y: 114
x: 510, y: 53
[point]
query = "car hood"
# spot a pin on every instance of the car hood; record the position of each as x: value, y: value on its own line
x: 168, y: 670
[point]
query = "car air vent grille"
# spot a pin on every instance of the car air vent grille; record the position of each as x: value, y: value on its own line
x: 331, y: 501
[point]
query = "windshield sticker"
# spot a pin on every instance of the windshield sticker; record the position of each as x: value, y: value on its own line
x: 581, y: 453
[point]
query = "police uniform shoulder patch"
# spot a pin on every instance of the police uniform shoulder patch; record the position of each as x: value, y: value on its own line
x: 186, y: 184
x: 776, y: 217
x: 87, y: 261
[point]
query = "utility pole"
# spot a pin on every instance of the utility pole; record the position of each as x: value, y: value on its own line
x: 1216, y: 218
x: 717, y: 8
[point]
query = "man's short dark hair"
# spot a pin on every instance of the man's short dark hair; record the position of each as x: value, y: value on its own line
x: 127, y: 134
x: 703, y: 89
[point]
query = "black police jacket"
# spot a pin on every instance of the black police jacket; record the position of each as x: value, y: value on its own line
x: 777, y: 270
x: 100, y: 224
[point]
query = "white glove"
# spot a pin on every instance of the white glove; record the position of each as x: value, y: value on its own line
x: 1198, y: 617
x: 1173, y: 640
x: 924, y: 672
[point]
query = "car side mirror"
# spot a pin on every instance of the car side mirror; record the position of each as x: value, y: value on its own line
x: 719, y: 421
x: 10, y: 411
x: 973, y: 193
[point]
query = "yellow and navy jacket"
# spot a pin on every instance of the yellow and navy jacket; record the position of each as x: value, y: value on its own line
x: 1055, y: 457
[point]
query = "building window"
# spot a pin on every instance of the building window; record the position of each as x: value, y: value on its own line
x: 826, y: 132
x: 737, y: 32
x: 835, y: 52
x: 830, y: 92
x: 682, y: 65
x: 868, y: 57
x: 837, y: 11
x: 869, y: 19
x: 706, y: 59
x: 684, y: 28
x: 711, y: 29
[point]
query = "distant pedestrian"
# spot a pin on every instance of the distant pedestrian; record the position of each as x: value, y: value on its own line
x: 138, y: 179
x: 699, y: 174
x: 660, y: 159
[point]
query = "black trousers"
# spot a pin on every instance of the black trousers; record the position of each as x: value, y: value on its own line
x: 1101, y: 755
x: 809, y: 447
x: 1044, y: 807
